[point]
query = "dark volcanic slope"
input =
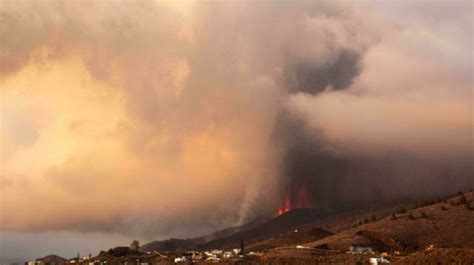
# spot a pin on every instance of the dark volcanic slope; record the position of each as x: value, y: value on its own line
x: 292, y: 238
x: 170, y: 245
x: 276, y: 226
x: 178, y: 245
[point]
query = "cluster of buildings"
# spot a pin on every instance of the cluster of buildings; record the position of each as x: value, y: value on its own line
x: 212, y: 256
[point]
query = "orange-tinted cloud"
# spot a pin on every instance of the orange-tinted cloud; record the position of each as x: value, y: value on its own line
x: 154, y: 118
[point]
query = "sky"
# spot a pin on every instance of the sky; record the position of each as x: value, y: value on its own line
x: 146, y: 120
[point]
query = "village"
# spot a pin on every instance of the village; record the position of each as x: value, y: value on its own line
x: 129, y: 256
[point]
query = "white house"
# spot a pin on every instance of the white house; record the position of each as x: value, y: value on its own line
x: 376, y: 261
x: 180, y: 259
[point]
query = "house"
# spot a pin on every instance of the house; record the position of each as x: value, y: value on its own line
x: 236, y: 251
x: 376, y: 261
x: 360, y: 250
x: 429, y: 248
x: 216, y: 252
x: 251, y: 253
x: 213, y: 259
x: 180, y: 259
x: 227, y: 255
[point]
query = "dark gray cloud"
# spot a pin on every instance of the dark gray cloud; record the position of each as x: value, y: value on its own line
x: 313, y: 78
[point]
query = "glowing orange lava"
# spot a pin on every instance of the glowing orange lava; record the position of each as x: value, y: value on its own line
x: 299, y: 197
x: 286, y: 206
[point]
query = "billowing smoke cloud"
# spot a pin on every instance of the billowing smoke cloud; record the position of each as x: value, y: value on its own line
x: 157, y: 119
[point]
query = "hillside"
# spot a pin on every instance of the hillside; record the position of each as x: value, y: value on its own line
x: 294, y: 237
x: 448, y: 223
x: 52, y: 259
x: 179, y: 245
x: 278, y: 225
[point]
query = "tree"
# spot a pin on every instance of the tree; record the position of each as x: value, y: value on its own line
x: 366, y: 220
x: 463, y: 200
x: 373, y: 218
x: 402, y: 210
x: 135, y: 245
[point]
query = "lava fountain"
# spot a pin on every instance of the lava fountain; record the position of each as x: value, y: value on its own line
x: 299, y: 197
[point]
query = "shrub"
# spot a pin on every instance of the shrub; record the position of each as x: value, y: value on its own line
x: 394, y: 217
x: 443, y: 208
x: 373, y: 218
x: 402, y: 210
x: 411, y: 217
x: 424, y: 215
x: 462, y: 200
x: 366, y: 220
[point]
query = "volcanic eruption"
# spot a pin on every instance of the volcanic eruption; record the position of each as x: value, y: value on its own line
x: 300, y: 197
